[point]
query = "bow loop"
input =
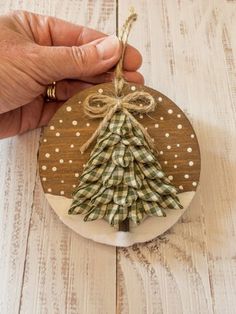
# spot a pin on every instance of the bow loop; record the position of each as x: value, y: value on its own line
x: 139, y: 101
x: 104, y: 106
x: 98, y: 105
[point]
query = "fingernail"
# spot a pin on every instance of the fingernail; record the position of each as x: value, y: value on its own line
x: 108, y: 47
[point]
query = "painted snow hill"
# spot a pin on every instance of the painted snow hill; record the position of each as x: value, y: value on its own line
x: 101, y: 231
x: 61, y: 165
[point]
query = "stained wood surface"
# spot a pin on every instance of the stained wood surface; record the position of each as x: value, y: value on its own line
x: 61, y: 162
x: 189, y: 55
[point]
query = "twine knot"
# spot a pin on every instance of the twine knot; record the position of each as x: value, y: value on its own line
x: 119, y: 103
x: 104, y: 106
x: 98, y: 106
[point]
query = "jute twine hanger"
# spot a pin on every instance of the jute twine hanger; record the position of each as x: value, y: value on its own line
x: 139, y: 102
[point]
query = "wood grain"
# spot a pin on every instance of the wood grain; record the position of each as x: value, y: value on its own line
x: 45, y: 267
x: 189, y: 53
x: 71, y: 274
x: 61, y: 162
x: 189, y: 50
x: 18, y: 158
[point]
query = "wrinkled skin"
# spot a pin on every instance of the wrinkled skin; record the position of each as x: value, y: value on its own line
x: 36, y: 50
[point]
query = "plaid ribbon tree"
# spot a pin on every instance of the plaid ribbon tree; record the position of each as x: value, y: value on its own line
x: 123, y: 179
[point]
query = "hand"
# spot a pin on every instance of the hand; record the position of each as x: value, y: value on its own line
x: 36, y: 50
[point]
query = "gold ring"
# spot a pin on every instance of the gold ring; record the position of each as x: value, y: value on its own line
x: 51, y: 92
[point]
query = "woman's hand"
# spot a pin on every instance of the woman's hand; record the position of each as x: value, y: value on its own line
x: 36, y: 50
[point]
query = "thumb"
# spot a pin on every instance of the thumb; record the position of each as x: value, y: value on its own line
x: 98, y: 56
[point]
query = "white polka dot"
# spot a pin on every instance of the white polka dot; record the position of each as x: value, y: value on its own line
x: 194, y: 183
x: 160, y: 99
x: 165, y: 162
x: 98, y: 105
x: 100, y: 90
x: 179, y: 126
x: 52, y: 127
x: 191, y: 163
x: 179, y: 115
x: 45, y: 140
x: 170, y: 111
x: 76, y: 174
x: 44, y: 179
x: 176, y: 156
x: 72, y: 146
x: 181, y: 187
x: 70, y: 161
x: 62, y: 192
x: 146, y: 128
x: 161, y: 152
x: 156, y: 125
x: 60, y: 121
x: 189, y: 149
x: 74, y: 186
x: 87, y: 124
x: 140, y: 105
x: 58, y: 134
x: 79, y: 102
x: 54, y: 169
x: 167, y: 135
x: 57, y: 150
x: 49, y: 190
x: 175, y: 166
x: 153, y: 139
x: 141, y: 116
x: 177, y: 145
x: 47, y: 155
x: 61, y: 161
x: 62, y: 181
x: 74, y: 122
x: 186, y: 176
x: 192, y: 135
x: 161, y: 118
x: 168, y: 147
x: 170, y: 178
x: 84, y: 165
x: 133, y: 88
x: 68, y: 108
x: 77, y: 133
x: 44, y: 167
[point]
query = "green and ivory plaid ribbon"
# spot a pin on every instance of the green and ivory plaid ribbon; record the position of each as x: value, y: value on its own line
x: 123, y: 177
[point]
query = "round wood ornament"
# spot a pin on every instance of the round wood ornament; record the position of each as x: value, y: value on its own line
x: 61, y: 162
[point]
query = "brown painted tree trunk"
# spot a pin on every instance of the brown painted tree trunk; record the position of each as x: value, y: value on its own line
x: 124, y: 225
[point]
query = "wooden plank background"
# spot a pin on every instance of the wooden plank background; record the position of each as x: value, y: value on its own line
x: 189, y: 50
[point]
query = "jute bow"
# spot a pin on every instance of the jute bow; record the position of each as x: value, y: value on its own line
x: 104, y: 106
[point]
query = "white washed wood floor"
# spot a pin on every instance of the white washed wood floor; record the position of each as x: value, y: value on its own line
x: 189, y: 50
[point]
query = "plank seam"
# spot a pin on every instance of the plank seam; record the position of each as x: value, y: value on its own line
x: 27, y: 241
